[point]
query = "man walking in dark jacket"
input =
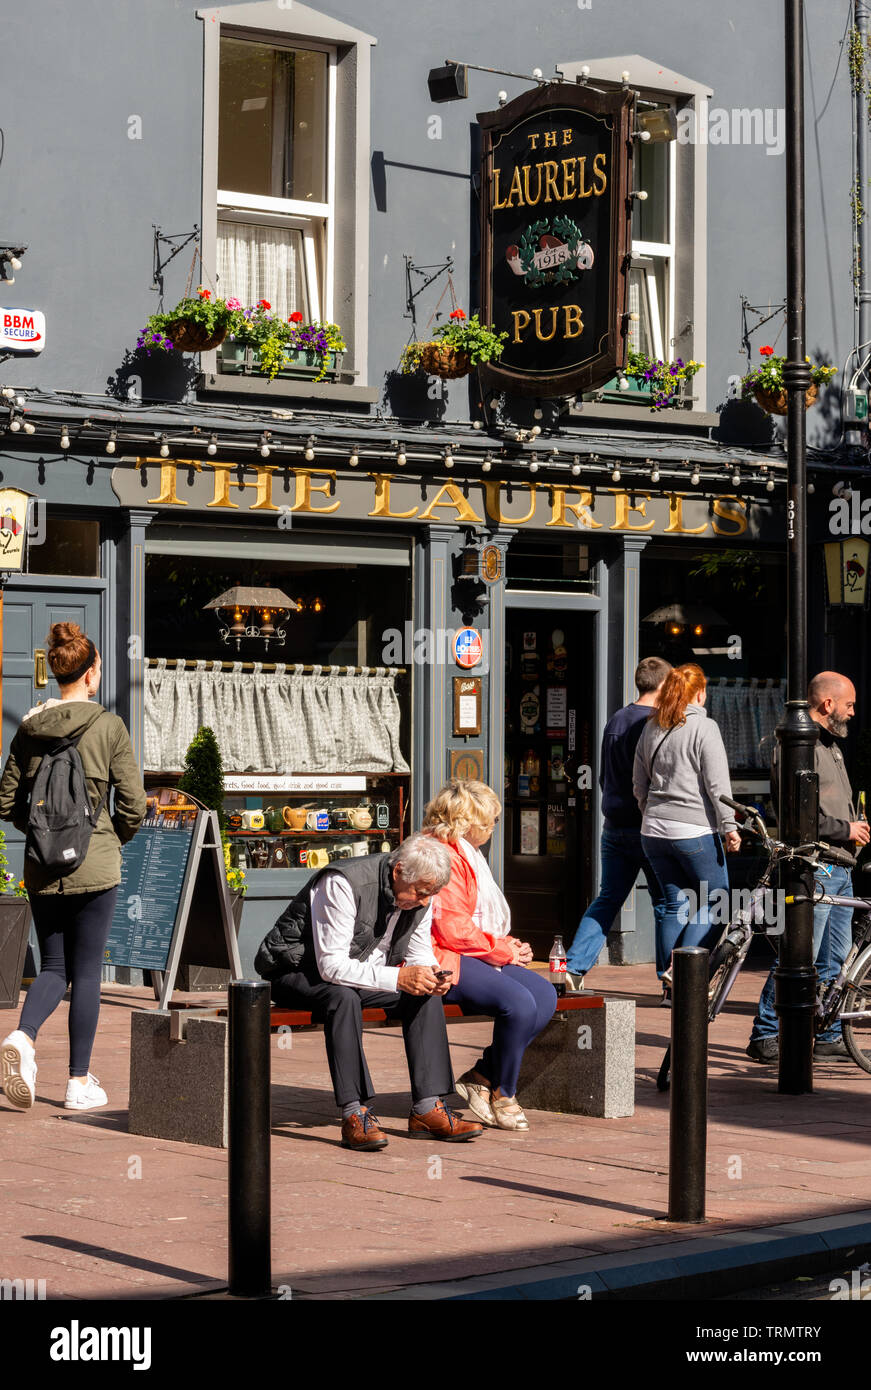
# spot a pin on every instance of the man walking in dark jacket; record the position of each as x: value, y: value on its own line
x: 622, y: 856
x: 358, y: 936
x: 832, y: 700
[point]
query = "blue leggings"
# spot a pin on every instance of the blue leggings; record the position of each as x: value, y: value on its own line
x: 521, y: 1002
x: 72, y: 930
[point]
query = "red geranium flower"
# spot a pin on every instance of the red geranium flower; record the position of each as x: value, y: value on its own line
x: 766, y: 351
x: 458, y: 314
x: 296, y: 317
x: 205, y: 294
x: 264, y: 304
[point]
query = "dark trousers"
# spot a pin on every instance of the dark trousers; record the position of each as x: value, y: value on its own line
x: 340, y: 1009
x: 72, y: 930
x: 521, y: 1003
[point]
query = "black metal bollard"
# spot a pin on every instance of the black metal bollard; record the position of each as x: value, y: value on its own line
x: 687, y: 1145
x: 249, y: 1253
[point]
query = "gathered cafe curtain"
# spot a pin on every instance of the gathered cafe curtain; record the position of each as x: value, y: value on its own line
x: 747, y: 713
x: 283, y: 721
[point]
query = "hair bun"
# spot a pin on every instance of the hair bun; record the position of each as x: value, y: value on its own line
x: 61, y: 634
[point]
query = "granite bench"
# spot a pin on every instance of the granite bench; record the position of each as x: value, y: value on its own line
x: 582, y: 1063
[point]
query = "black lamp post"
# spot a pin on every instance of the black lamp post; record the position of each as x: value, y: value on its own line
x: 795, y: 976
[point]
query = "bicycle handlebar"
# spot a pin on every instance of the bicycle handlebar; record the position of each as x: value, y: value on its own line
x: 830, y: 854
x: 736, y: 806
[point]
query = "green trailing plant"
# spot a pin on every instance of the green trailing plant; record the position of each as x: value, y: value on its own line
x: 9, y: 885
x: 857, y: 58
x: 273, y: 337
x: 203, y: 777
x: 466, y: 335
x: 663, y: 379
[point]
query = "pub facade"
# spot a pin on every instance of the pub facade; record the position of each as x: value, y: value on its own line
x: 367, y: 580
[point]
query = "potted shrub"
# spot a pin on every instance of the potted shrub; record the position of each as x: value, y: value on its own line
x: 664, y: 380
x: 261, y: 340
x: 194, y: 325
x: 766, y: 384
x: 456, y: 347
x: 14, y: 930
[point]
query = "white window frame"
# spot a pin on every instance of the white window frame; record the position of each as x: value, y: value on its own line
x: 663, y: 85
x: 662, y: 316
x: 298, y: 25
x: 291, y: 212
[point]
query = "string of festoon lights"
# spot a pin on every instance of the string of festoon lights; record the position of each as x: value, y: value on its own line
x: 523, y: 452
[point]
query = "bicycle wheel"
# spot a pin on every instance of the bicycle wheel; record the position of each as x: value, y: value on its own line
x: 723, y: 957
x: 857, y: 1031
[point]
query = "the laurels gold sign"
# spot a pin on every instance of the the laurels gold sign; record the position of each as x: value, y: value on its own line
x: 555, y: 237
x: 187, y: 486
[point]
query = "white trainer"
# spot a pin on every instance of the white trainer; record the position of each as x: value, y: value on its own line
x: 85, y: 1096
x: 18, y: 1069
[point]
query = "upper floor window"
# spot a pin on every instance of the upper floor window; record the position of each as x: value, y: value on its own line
x: 651, y: 275
x: 276, y: 157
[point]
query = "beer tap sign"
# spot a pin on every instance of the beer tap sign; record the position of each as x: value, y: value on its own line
x: 556, y: 230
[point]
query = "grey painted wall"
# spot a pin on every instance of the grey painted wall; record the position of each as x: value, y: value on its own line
x: 84, y: 196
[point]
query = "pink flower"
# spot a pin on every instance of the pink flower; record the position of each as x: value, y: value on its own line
x: 234, y: 304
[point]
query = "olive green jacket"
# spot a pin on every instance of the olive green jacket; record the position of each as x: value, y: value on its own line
x: 108, y: 761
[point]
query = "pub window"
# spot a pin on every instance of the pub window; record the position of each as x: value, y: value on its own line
x: 651, y: 279
x: 64, y: 546
x: 275, y: 176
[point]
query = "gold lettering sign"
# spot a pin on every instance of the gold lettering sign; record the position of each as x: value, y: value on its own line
x: 305, y: 487
x: 580, y: 509
x: 623, y: 505
x: 464, y: 509
x: 493, y: 496
x: 382, y: 499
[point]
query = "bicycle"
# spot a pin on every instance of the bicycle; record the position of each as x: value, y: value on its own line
x: 852, y: 986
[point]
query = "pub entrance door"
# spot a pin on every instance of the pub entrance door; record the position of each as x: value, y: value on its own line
x: 549, y: 820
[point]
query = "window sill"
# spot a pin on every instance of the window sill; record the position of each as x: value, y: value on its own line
x: 642, y: 415
x: 282, y: 389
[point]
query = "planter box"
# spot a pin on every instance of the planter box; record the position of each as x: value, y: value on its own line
x: 238, y: 359
x: 14, y: 931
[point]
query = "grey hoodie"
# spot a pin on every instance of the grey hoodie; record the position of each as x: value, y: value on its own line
x: 690, y: 773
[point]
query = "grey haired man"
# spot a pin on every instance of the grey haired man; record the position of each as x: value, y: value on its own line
x: 358, y: 936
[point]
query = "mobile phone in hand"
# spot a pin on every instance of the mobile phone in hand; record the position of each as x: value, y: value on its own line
x: 442, y: 975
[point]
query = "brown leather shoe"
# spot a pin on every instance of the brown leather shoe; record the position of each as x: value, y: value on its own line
x: 441, y: 1123
x: 362, y: 1132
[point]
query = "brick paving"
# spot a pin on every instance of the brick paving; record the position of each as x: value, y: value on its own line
x: 99, y: 1213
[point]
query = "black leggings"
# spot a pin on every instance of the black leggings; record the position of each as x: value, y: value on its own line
x: 72, y: 930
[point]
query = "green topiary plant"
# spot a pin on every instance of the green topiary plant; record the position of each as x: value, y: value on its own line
x: 203, y: 777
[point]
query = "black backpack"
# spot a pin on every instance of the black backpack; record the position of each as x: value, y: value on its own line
x: 60, y: 820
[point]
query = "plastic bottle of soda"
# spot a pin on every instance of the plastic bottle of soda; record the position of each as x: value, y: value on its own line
x: 557, y: 966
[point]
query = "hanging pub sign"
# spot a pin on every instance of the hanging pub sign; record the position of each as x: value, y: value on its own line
x: 13, y: 527
x: 555, y: 238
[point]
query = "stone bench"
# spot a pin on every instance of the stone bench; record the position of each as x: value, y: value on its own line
x: 582, y: 1063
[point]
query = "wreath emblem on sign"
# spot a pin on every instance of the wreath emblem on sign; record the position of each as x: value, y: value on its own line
x: 551, y: 254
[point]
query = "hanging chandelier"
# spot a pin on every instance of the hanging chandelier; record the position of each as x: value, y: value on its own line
x: 254, y: 613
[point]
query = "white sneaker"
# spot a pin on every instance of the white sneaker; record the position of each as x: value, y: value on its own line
x: 85, y: 1097
x: 18, y: 1069
x: 575, y: 982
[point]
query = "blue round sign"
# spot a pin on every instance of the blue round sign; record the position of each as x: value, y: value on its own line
x: 468, y: 647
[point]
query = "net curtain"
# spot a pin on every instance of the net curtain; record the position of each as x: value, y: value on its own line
x: 747, y: 714
x: 283, y: 721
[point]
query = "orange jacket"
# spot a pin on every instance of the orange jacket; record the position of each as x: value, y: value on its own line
x: 454, y: 931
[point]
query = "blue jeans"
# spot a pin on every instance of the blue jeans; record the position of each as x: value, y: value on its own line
x: 696, y: 866
x: 833, y: 937
x: 622, y: 860
x: 521, y: 1003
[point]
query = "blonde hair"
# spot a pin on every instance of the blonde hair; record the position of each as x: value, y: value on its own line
x: 458, y: 807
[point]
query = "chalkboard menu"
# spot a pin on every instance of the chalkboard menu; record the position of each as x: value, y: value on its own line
x: 153, y: 868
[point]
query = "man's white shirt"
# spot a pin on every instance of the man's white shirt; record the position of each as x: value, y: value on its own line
x: 334, y: 917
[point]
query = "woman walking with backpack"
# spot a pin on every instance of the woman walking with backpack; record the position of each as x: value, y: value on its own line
x: 72, y: 861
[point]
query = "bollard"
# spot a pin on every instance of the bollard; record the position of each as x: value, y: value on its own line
x: 687, y: 1145
x: 249, y: 1250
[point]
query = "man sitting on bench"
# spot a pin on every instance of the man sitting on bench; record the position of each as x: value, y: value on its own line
x: 358, y: 936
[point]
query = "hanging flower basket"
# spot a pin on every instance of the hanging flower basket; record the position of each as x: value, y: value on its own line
x: 776, y: 402
x: 446, y: 362
x: 186, y: 336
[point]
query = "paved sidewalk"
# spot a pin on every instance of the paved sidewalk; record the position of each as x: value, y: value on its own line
x: 99, y: 1213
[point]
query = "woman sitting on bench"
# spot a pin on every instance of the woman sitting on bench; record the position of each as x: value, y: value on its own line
x: 471, y: 937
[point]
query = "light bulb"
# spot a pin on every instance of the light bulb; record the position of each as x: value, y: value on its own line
x: 8, y: 392
x: 401, y: 459
x: 15, y: 426
x: 265, y: 451
x: 494, y: 402
x: 535, y: 431
x: 654, y: 475
x: 811, y: 487
x: 164, y: 447
x: 736, y: 479
x: 354, y: 460
x: 502, y: 98
x: 110, y: 443
x: 15, y: 263
x: 769, y: 486
x: 537, y: 73
x: 19, y: 400
x: 212, y: 447
x: 624, y: 76
x: 477, y: 425
x: 29, y: 428
x: 533, y: 467
x: 309, y: 454
x: 585, y: 70
x: 696, y: 478
x: 486, y: 465
x: 576, y: 466
x: 640, y: 195
x: 616, y: 476
x: 449, y: 459
x: 538, y: 414
x: 64, y: 439
x: 644, y: 136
